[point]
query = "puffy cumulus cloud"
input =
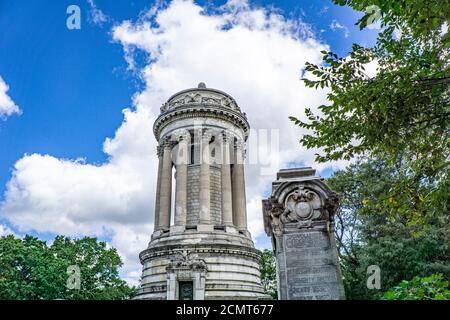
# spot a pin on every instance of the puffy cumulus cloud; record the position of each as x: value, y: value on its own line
x: 7, y: 105
x: 71, y: 197
x: 254, y: 54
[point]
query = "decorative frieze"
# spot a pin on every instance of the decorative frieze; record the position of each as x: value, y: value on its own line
x: 204, y: 97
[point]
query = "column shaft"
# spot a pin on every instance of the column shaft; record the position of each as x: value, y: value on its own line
x: 166, y: 187
x: 239, y: 201
x: 158, y: 189
x: 227, y: 199
x: 205, y: 196
x: 181, y: 183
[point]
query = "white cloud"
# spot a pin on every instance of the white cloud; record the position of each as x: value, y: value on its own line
x: 7, y: 105
x: 254, y: 54
x: 374, y: 26
x: 324, y: 10
x: 335, y: 25
x: 96, y: 16
x: 73, y: 198
x: 5, y: 231
x: 371, y: 68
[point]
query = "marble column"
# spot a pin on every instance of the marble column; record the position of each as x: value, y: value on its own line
x: 205, y: 195
x: 227, y: 200
x: 181, y: 181
x: 158, y: 187
x: 166, y: 186
x: 238, y: 187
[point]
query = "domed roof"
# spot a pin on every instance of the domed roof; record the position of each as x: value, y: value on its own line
x: 200, y: 96
x: 200, y: 102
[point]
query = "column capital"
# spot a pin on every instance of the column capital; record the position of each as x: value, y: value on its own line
x: 202, y: 134
x: 206, y: 136
x: 167, y: 142
x: 226, y: 137
x: 159, y: 151
x: 239, y: 145
x: 183, y: 135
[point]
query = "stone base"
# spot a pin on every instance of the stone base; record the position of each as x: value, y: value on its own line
x: 205, y: 228
x: 177, y: 229
x: 231, y: 229
x: 219, y: 265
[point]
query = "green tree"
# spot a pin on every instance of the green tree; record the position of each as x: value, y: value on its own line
x: 433, y: 287
x: 368, y: 235
x: 402, y: 114
x: 30, y: 269
x: 268, y: 272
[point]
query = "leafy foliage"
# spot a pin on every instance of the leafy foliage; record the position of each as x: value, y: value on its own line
x: 368, y: 234
x: 421, y: 17
x: 268, y: 272
x: 402, y: 114
x: 433, y: 287
x: 30, y: 269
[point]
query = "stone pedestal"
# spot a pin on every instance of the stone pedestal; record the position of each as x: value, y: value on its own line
x: 219, y: 266
x: 299, y: 218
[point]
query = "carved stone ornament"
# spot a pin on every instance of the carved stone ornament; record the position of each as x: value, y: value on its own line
x: 331, y: 205
x: 164, y: 107
x: 185, y: 260
x: 275, y: 221
x: 200, y: 98
x: 298, y: 217
x: 302, y: 205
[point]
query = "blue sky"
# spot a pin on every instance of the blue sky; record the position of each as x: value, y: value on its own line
x: 72, y: 85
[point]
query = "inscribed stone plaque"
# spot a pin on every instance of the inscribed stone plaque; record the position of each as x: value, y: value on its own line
x: 311, y: 267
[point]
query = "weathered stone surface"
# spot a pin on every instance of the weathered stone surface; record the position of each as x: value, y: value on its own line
x: 208, y: 253
x: 193, y: 201
x: 299, y: 218
x: 232, y: 271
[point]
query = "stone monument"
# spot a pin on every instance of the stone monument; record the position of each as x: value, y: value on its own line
x: 298, y: 217
x: 200, y: 247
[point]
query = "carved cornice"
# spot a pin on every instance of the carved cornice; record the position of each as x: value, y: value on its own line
x: 219, y: 249
x: 200, y: 111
